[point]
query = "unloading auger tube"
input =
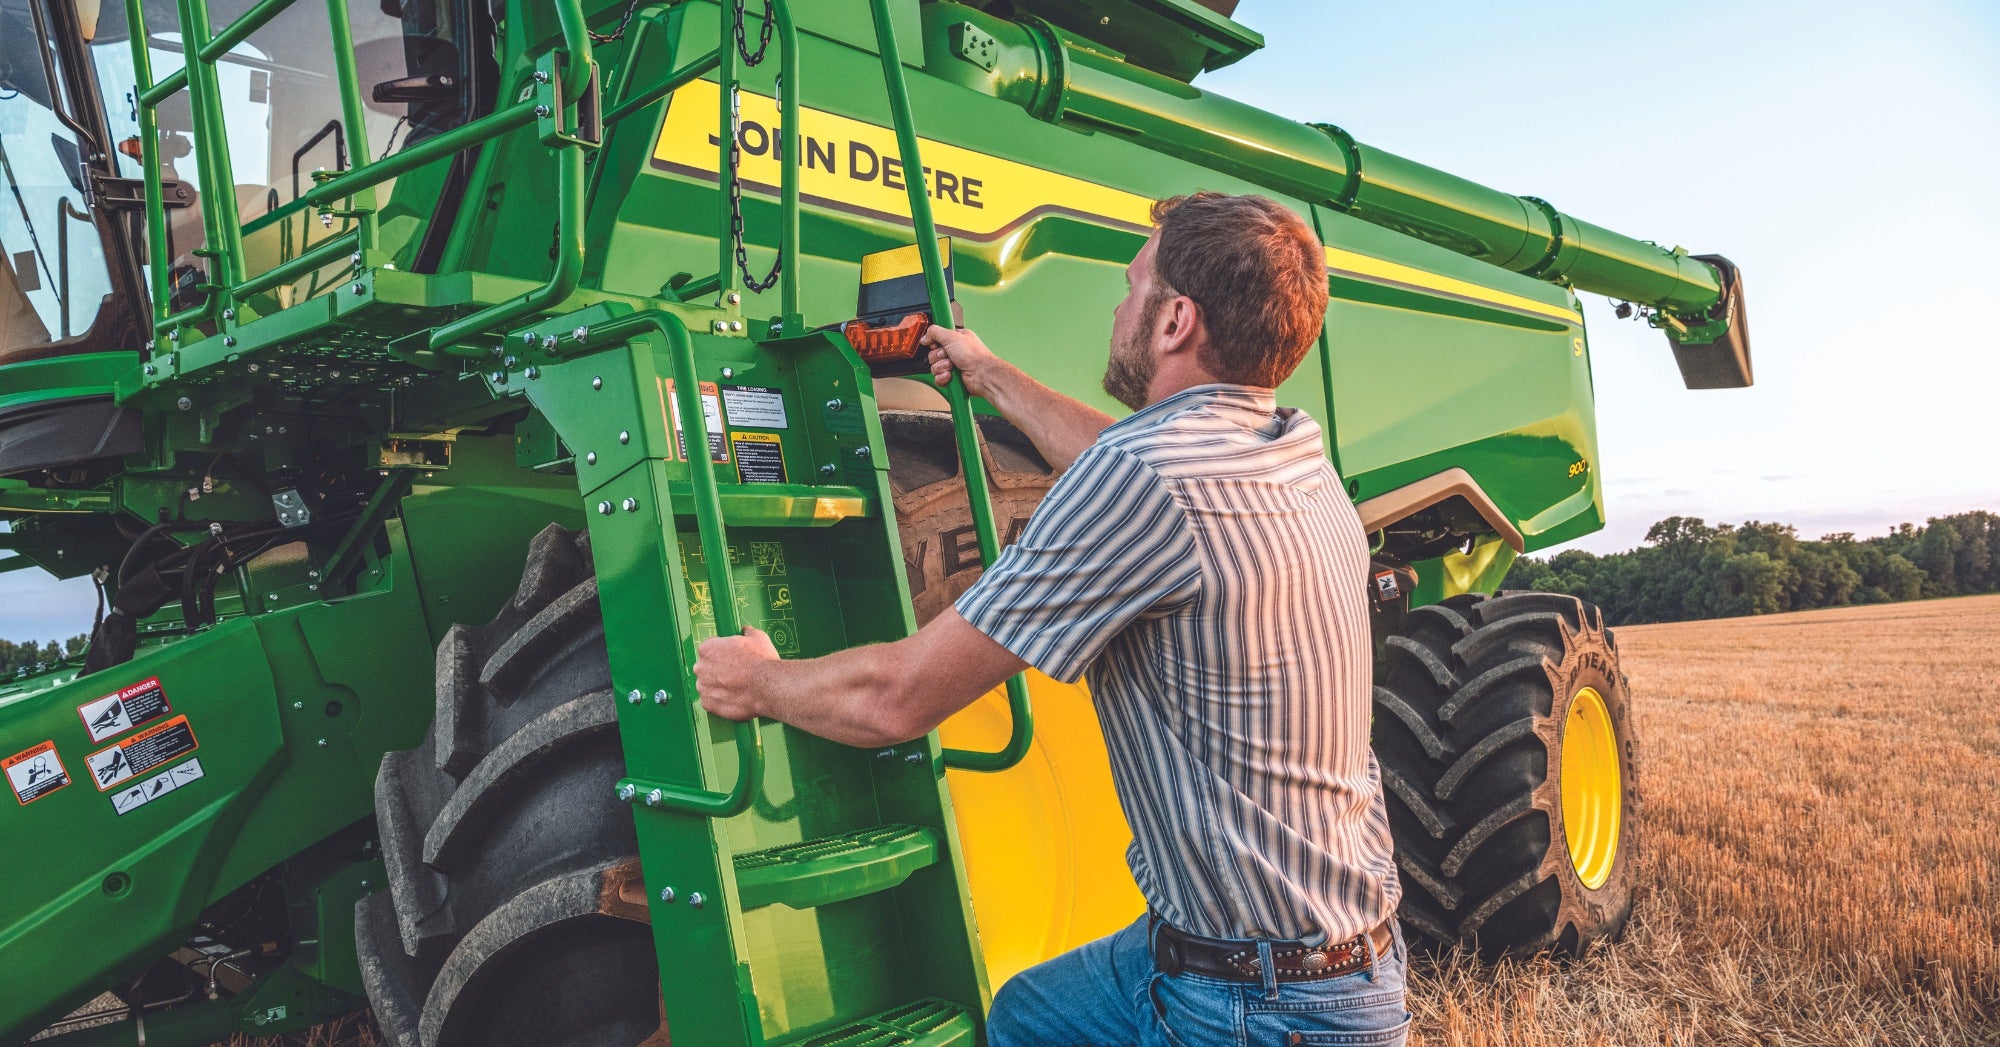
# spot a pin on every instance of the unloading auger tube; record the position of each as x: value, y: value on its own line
x: 1696, y: 299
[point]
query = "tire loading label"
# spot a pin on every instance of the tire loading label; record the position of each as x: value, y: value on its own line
x: 116, y: 713
x: 35, y: 773
x: 156, y: 745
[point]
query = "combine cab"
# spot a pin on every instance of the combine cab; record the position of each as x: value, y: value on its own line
x: 421, y: 380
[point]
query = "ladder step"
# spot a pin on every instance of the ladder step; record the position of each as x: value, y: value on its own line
x: 832, y: 869
x: 925, y: 1023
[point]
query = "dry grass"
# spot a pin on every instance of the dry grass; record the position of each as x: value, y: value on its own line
x: 1820, y: 862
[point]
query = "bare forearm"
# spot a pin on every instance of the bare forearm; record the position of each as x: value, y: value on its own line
x: 1060, y: 426
x: 849, y: 696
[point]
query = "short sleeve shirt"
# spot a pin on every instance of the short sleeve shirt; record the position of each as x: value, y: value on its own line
x: 1202, y: 567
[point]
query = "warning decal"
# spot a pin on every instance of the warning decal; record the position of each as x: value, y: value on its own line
x: 35, y: 773
x: 141, y: 703
x: 152, y: 788
x: 760, y: 459
x: 711, y: 413
x: 142, y: 752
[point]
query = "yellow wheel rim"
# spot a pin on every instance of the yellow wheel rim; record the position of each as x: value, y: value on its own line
x: 1592, y: 792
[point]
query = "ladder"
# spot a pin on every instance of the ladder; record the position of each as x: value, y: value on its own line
x: 816, y: 897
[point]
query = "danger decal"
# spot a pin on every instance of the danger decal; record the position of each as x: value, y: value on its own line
x: 137, y: 794
x: 35, y: 773
x: 150, y: 748
x: 135, y: 706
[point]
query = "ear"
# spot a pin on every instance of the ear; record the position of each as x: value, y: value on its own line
x: 1180, y: 328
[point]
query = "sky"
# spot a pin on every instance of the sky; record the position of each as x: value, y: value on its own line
x: 1842, y: 154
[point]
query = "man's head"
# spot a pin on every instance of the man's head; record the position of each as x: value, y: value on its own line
x: 1227, y: 289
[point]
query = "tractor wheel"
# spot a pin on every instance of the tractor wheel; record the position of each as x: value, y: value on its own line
x: 515, y: 916
x: 1503, y: 729
x: 940, y: 548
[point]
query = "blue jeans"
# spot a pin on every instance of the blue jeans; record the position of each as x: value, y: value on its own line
x: 1109, y: 994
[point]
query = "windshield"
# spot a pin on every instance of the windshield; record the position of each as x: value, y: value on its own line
x: 54, y: 277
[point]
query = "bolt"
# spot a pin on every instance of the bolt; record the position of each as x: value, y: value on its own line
x: 861, y: 451
x: 229, y: 340
x: 828, y: 469
x: 356, y: 288
x: 729, y: 372
x: 313, y: 587
x: 549, y: 342
x: 533, y: 372
x: 735, y: 299
x: 777, y: 327
x: 322, y: 743
x: 357, y: 258
x: 151, y: 369
x: 499, y: 378
x: 184, y: 404
x: 597, y: 382
x: 149, y: 345
x: 885, y: 754
x: 543, y: 111
x: 510, y: 362
x: 527, y: 337
x: 695, y: 900
x: 281, y: 432
x: 581, y: 334
x: 634, y: 696
x: 721, y: 326
x: 736, y: 325
x: 590, y: 458
x: 660, y: 697
x: 604, y: 509
x: 298, y: 705
x: 627, y: 791
x: 653, y: 800
x: 914, y: 758
x: 624, y: 437
x: 835, y: 404
x: 254, y: 368
x: 541, y: 76
x: 667, y: 895
x: 631, y: 505
x: 229, y: 314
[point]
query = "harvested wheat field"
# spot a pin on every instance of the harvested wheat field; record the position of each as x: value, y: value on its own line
x: 1820, y: 860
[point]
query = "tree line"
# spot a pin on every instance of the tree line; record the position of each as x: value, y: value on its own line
x: 1688, y: 569
x: 32, y: 656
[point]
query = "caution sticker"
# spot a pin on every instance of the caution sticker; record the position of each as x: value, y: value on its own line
x: 760, y: 458
x: 135, y: 706
x: 139, y: 794
x: 156, y: 745
x: 35, y: 773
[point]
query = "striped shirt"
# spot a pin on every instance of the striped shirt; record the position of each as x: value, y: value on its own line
x: 1201, y: 564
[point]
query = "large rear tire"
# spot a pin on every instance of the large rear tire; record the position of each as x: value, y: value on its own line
x: 1502, y: 726
x: 514, y: 915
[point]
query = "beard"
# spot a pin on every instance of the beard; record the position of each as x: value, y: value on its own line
x: 1128, y: 373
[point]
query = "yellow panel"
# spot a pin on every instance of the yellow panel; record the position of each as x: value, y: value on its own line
x: 899, y: 262
x: 1044, y: 842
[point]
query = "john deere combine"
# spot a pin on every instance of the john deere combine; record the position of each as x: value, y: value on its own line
x: 421, y: 379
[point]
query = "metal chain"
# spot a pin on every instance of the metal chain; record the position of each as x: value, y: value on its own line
x: 763, y: 35
x: 750, y: 281
x: 617, y: 34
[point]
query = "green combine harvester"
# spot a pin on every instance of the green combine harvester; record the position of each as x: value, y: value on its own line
x: 420, y: 380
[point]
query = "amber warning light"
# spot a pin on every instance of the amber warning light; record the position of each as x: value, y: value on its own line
x: 893, y: 310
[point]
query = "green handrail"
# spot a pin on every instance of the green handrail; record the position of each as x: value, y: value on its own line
x: 1022, y: 732
x: 715, y: 553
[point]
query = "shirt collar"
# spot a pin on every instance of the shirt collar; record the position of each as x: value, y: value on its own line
x: 1262, y: 403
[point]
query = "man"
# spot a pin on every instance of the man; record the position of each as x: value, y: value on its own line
x: 1201, y: 563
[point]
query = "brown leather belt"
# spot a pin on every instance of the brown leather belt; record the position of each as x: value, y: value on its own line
x: 1177, y: 952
